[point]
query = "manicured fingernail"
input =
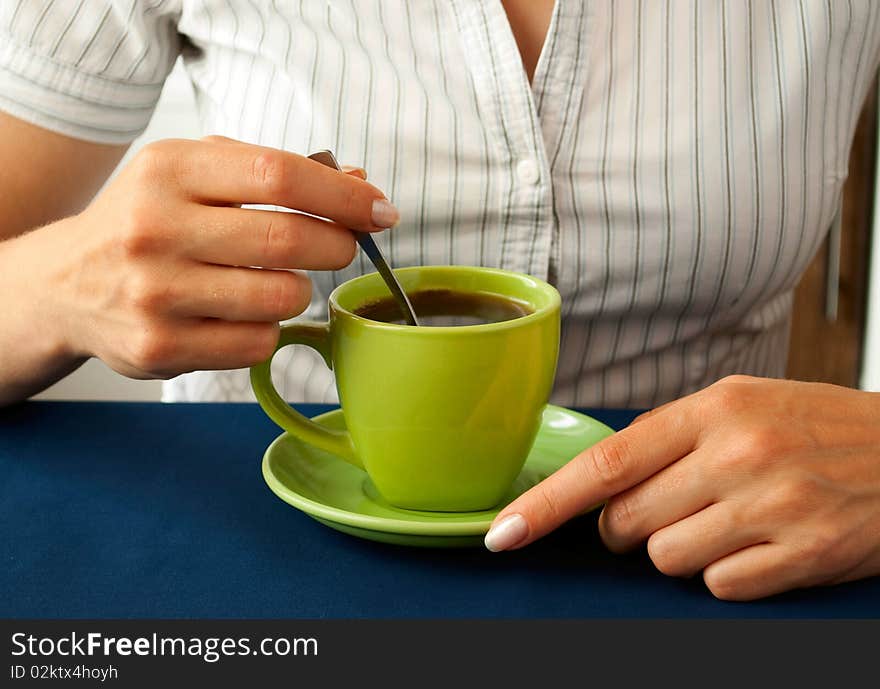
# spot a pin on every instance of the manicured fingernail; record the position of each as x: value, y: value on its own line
x: 384, y: 213
x: 507, y: 533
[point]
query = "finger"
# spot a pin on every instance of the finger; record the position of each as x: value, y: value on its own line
x: 203, y: 344
x: 664, y: 407
x: 356, y: 171
x: 673, y: 493
x: 217, y: 344
x: 243, y: 173
x: 651, y: 412
x: 687, y: 546
x: 239, y: 294
x: 755, y: 572
x: 608, y: 468
x: 220, y: 139
x: 270, y: 239
x: 347, y: 169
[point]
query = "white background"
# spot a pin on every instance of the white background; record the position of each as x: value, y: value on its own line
x: 175, y: 117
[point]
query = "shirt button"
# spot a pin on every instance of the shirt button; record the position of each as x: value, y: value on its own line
x: 527, y: 171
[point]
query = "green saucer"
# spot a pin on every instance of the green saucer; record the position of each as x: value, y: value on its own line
x: 341, y: 496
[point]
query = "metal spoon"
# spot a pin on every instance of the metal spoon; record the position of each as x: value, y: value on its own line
x: 371, y: 249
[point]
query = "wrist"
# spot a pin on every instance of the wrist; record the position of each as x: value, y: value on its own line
x: 33, y: 289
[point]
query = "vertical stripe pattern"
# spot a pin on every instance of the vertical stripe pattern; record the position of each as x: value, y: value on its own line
x: 672, y: 168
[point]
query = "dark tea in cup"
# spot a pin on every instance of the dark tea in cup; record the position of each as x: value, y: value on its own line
x: 444, y: 308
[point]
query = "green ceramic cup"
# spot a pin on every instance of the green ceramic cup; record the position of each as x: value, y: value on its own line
x: 440, y: 418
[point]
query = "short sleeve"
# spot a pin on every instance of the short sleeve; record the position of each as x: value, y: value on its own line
x: 91, y: 69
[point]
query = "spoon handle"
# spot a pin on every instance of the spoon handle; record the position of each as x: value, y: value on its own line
x: 371, y: 249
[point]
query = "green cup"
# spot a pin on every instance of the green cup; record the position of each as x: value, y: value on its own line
x: 440, y: 418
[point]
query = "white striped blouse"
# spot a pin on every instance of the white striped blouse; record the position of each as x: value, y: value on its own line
x: 672, y: 167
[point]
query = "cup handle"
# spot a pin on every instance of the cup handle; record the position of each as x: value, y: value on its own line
x: 316, y: 336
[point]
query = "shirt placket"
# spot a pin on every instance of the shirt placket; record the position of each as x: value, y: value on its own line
x: 558, y: 88
x: 510, y: 118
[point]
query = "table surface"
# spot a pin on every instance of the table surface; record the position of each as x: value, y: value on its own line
x: 145, y: 510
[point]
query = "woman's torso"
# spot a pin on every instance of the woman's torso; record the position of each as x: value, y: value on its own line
x: 672, y: 168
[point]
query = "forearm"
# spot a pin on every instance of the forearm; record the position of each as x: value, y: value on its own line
x: 46, y: 176
x: 34, y: 352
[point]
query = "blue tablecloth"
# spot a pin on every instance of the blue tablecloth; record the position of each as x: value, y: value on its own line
x: 138, y: 510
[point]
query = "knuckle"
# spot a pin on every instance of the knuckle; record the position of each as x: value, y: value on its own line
x: 736, y: 378
x: 620, y: 513
x: 823, y: 547
x: 726, y: 397
x: 152, y: 351
x: 147, y: 295
x: 607, y: 460
x: 548, y: 504
x: 643, y: 416
x: 347, y: 252
x: 665, y: 556
x: 271, y: 173
x: 139, y: 235
x: 152, y: 160
x: 277, y: 295
x: 286, y: 294
x: 791, y: 498
x: 760, y: 443
x: 152, y: 153
x: 721, y: 585
x: 305, y: 291
x: 351, y: 202
x: 732, y: 520
x: 281, y: 241
x: 263, y: 343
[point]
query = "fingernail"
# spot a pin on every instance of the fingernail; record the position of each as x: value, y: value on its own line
x: 507, y: 533
x: 356, y: 171
x: 384, y: 213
